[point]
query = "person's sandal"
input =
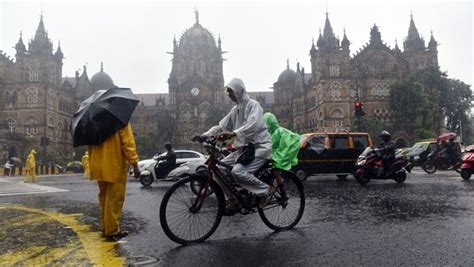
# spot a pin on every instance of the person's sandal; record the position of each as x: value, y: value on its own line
x: 117, y: 236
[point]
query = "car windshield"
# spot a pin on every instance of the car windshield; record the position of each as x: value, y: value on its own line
x: 419, y: 146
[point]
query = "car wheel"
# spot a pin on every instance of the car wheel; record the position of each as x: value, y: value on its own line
x: 342, y: 177
x: 301, y: 174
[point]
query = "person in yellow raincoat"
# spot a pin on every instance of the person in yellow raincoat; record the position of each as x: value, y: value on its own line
x: 108, y: 164
x: 30, y: 167
x: 85, y: 165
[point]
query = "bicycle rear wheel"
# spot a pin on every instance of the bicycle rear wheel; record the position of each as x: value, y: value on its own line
x: 283, y: 214
x: 181, y: 219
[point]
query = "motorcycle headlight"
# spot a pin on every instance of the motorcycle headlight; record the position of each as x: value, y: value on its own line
x: 416, y: 158
x: 361, y: 162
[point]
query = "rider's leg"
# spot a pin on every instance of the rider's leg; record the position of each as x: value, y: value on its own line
x: 229, y: 160
x: 244, y: 176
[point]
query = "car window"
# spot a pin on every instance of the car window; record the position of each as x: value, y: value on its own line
x: 339, y: 142
x: 316, y: 141
x: 360, y: 142
x: 190, y: 155
x: 432, y: 147
x: 180, y: 155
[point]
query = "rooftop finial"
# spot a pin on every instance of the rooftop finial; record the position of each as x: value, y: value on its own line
x: 287, y: 64
x: 102, y: 66
x: 196, y: 14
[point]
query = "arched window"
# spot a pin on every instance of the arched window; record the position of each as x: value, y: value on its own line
x: 337, y: 118
x: 11, y: 125
x: 31, y: 127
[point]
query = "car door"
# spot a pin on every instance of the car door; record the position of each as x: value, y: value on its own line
x: 338, y: 156
x: 311, y: 155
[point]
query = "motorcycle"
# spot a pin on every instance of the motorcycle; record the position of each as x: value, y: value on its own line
x: 157, y: 170
x: 467, y: 166
x: 369, y: 165
x: 436, y: 161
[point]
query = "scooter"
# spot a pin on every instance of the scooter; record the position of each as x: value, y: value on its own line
x: 156, y: 171
x: 369, y: 165
x: 436, y: 161
x: 467, y: 166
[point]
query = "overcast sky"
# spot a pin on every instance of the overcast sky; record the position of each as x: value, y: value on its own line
x: 132, y: 38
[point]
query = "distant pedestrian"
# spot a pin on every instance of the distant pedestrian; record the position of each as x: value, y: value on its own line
x: 8, y: 168
x: 30, y: 167
x: 85, y: 165
x: 108, y: 164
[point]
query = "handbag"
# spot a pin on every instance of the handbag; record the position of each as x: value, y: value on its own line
x: 247, y: 155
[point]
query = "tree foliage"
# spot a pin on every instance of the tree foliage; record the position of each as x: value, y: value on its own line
x: 426, y: 102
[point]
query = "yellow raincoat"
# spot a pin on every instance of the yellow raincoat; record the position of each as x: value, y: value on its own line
x: 85, y: 165
x: 108, y: 163
x: 30, y: 167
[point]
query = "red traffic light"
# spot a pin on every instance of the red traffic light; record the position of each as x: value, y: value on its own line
x: 357, y: 104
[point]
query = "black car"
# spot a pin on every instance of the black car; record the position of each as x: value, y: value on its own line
x: 330, y: 153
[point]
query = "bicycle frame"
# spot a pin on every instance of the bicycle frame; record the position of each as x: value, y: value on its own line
x: 214, y: 174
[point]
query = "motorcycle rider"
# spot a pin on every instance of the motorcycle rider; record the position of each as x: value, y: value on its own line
x: 245, y: 124
x: 451, y: 152
x: 169, y: 159
x: 387, y: 151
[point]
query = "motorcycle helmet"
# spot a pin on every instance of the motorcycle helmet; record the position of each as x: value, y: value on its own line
x: 385, y: 136
x: 168, y: 146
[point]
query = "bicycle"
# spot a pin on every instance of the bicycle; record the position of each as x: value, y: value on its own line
x: 192, y: 208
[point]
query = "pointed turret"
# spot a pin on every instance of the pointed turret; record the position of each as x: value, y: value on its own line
x: 320, y: 42
x: 432, y: 44
x: 328, y: 34
x: 397, y: 49
x: 41, y: 42
x: 20, y: 46
x: 313, y: 48
x: 375, y: 37
x: 345, y: 41
x: 59, y: 54
x: 219, y: 43
x: 413, y: 40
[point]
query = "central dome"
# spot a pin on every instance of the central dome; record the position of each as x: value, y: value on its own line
x: 197, y: 35
x: 101, y: 80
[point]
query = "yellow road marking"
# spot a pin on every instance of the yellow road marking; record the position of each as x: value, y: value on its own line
x: 98, y: 252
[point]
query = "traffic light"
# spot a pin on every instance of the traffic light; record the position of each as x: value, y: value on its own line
x: 359, y: 108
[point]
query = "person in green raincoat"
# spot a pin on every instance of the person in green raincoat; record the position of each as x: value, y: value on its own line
x: 285, y: 144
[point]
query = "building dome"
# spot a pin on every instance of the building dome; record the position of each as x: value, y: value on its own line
x: 197, y: 35
x: 287, y: 75
x: 101, y: 80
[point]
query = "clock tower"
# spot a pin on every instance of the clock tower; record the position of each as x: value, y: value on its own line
x: 196, y: 82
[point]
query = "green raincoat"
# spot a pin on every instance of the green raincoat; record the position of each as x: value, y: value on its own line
x: 285, y: 143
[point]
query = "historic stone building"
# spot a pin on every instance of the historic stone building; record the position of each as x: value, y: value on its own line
x: 36, y: 102
x: 196, y: 98
x: 324, y: 100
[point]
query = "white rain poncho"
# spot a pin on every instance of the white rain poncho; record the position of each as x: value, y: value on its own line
x: 245, y: 119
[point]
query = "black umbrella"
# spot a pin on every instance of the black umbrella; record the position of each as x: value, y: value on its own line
x: 102, y: 114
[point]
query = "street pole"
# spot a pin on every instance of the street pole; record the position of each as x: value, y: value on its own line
x: 45, y: 126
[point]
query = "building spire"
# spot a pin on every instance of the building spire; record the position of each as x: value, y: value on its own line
x: 102, y: 66
x: 432, y: 44
x: 413, y: 40
x: 345, y: 41
x: 196, y: 15
x: 59, y: 53
x: 328, y: 34
x: 287, y: 64
x: 20, y: 46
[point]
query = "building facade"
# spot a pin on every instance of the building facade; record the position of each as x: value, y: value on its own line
x: 324, y: 100
x: 36, y: 102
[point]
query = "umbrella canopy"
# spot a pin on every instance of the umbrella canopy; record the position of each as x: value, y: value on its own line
x: 102, y: 114
x: 15, y: 160
x: 446, y: 137
x: 74, y: 163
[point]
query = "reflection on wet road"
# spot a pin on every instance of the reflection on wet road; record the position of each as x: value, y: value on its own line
x: 429, y: 220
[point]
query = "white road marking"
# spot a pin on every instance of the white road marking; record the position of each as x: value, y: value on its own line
x: 15, y: 188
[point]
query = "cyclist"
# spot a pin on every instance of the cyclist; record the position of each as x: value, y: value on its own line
x: 245, y: 124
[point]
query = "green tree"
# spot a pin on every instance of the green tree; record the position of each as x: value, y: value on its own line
x: 457, y: 107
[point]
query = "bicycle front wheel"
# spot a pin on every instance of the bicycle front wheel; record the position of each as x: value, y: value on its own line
x: 187, y: 217
x: 285, y: 208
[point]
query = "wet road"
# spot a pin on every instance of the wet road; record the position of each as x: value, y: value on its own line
x: 427, y: 221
